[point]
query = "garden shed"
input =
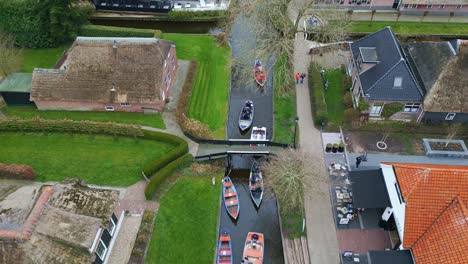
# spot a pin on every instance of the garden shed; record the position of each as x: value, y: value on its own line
x: 16, y: 87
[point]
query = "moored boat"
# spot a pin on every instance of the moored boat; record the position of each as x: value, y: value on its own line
x: 258, y: 133
x: 253, y: 249
x: 246, y: 115
x: 224, y: 253
x: 230, y: 198
x: 256, y: 184
x: 259, y: 74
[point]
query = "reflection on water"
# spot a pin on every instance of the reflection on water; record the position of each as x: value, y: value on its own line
x: 263, y: 220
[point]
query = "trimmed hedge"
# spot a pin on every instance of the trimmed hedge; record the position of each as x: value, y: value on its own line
x: 207, y: 14
x: 181, y: 149
x: 317, y: 96
x: 162, y: 174
x: 106, y: 31
x: 17, y: 172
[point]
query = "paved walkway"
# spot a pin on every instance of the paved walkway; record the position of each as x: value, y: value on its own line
x: 125, y: 240
x: 134, y: 200
x: 361, y: 241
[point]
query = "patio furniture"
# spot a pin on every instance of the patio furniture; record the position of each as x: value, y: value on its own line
x: 339, y: 195
x: 340, y: 216
x: 345, y: 195
x: 344, y: 221
x: 344, y: 210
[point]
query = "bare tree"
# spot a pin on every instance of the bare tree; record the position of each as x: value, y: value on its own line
x: 10, y: 57
x: 372, y: 17
x: 452, y: 131
x: 451, y: 15
x: 424, y: 15
x: 289, y: 173
x: 398, y: 17
x: 275, y: 24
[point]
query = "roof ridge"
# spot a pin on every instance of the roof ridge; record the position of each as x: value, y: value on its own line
x: 453, y: 202
x: 383, y: 76
x: 418, y: 180
x: 397, y: 44
x: 387, y: 27
x: 413, y: 76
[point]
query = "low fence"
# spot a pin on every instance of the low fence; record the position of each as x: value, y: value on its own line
x: 224, y: 154
x: 237, y: 142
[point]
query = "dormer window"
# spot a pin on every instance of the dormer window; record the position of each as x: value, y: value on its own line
x: 397, y: 82
x: 369, y: 54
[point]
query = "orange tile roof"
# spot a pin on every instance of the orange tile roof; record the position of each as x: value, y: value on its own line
x: 446, y: 241
x: 428, y: 190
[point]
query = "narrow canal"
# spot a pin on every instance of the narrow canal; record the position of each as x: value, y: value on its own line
x: 263, y: 220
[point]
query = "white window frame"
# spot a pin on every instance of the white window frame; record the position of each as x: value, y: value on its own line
x: 406, y: 6
x: 450, y: 116
x: 165, y: 64
x: 459, y: 6
x: 412, y: 107
x: 414, y: 6
x: 109, y: 108
x: 429, y: 6
x: 379, y: 109
x: 125, y: 104
x: 395, y: 82
x: 114, y: 227
x: 441, y: 6
x: 168, y: 54
x: 104, y: 252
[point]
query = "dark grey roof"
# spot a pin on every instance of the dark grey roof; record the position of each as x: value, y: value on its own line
x: 391, y: 257
x: 375, y: 81
x: 369, y: 190
x: 428, y: 59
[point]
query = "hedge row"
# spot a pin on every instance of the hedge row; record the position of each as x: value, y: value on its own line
x: 106, y: 31
x: 317, y: 96
x: 69, y: 126
x: 162, y: 174
x: 197, y: 14
x: 156, y: 165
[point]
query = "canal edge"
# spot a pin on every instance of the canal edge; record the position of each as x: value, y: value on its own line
x: 281, y: 231
x: 219, y: 222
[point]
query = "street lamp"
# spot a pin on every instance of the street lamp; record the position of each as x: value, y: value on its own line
x: 295, y: 130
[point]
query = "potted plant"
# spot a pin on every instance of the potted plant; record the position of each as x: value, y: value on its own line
x: 328, y: 147
x: 341, y: 147
x: 335, y: 148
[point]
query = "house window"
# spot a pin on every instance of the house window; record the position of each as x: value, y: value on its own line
x: 168, y: 55
x: 405, y: 6
x: 399, y: 193
x: 459, y: 6
x: 450, y: 116
x: 429, y: 6
x: 168, y: 79
x: 441, y: 6
x: 125, y: 104
x: 101, y: 250
x: 376, y: 110
x: 397, y: 82
x: 165, y: 64
x: 111, y: 227
x: 109, y: 108
x: 411, y: 108
x: 414, y: 6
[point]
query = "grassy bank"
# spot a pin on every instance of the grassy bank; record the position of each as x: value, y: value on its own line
x: 185, y: 228
x: 334, y: 96
x: 102, y: 160
x: 284, y: 105
x: 209, y: 100
x: 41, y: 58
x: 413, y: 28
x: 24, y: 112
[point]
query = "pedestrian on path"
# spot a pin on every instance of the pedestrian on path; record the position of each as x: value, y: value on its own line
x: 298, y: 76
x: 303, y: 75
x: 358, y: 161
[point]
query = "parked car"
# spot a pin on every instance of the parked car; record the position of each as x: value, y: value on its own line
x: 187, y: 5
x: 178, y: 6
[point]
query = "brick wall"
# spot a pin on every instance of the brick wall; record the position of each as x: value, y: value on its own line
x: 170, y: 69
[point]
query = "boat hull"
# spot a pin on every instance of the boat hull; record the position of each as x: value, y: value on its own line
x: 259, y: 74
x: 246, y: 123
x: 230, y: 198
x: 224, y: 252
x: 256, y: 185
x: 254, y: 248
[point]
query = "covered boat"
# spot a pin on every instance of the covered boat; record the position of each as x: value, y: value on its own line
x: 253, y: 249
x: 224, y: 253
x: 259, y: 74
x: 258, y: 133
x: 256, y: 184
x: 246, y: 115
x: 230, y: 197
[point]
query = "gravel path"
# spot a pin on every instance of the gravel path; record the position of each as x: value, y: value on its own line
x: 125, y: 240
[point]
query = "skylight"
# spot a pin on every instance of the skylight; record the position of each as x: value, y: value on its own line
x: 369, y: 54
x: 397, y: 81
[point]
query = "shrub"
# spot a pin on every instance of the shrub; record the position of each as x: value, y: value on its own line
x: 391, y: 109
x: 348, y: 100
x: 363, y: 105
x: 197, y: 14
x: 16, y: 172
x: 321, y: 119
x: 319, y: 107
x: 162, y: 174
x: 106, y: 31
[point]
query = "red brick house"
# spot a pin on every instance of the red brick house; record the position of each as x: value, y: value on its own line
x: 434, y: 7
x: 99, y: 74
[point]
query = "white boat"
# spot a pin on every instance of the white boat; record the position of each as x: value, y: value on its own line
x: 246, y: 115
x: 258, y: 133
x: 256, y: 184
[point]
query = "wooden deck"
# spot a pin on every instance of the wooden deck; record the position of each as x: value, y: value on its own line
x: 296, y: 251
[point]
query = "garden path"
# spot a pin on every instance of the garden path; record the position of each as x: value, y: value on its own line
x: 321, y: 233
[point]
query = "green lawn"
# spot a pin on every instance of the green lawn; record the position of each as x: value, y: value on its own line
x: 152, y: 120
x: 102, y: 160
x: 334, y: 96
x: 209, y: 100
x: 41, y: 58
x: 185, y: 228
x: 413, y: 28
x: 284, y: 105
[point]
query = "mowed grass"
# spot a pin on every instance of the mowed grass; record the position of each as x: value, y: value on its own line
x: 413, y: 28
x: 334, y: 96
x: 102, y: 160
x: 41, y: 58
x: 26, y: 112
x: 209, y: 100
x: 185, y: 228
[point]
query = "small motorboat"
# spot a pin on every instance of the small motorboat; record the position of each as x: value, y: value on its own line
x: 246, y: 115
x: 258, y: 133
x: 230, y: 197
x: 253, y: 249
x: 224, y: 253
x: 259, y: 74
x: 256, y: 184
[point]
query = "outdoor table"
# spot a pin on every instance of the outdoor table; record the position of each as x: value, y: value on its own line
x: 346, y: 195
x: 344, y: 210
x: 339, y: 196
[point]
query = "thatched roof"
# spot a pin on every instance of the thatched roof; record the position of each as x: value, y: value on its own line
x: 449, y: 92
x: 94, y: 66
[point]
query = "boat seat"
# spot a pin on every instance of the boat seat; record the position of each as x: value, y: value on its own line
x: 225, y: 252
x: 256, y: 253
x: 224, y: 238
x: 230, y: 194
x: 227, y: 184
x: 232, y: 202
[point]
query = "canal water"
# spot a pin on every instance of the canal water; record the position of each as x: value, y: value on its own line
x: 263, y: 220
x: 199, y: 27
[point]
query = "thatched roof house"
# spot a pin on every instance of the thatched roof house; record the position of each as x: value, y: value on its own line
x: 126, y: 74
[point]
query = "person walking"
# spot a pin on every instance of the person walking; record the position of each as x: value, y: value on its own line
x: 303, y: 75
x: 358, y: 161
x: 298, y: 76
